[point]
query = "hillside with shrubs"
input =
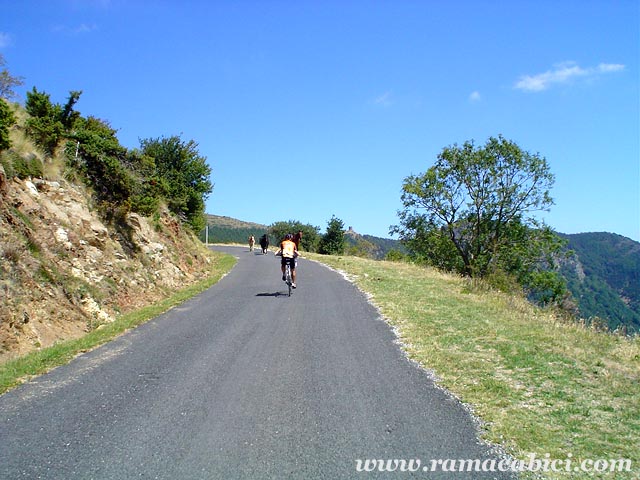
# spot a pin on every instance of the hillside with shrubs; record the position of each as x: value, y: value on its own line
x: 89, y: 229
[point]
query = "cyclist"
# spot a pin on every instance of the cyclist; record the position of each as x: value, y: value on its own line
x: 288, y: 252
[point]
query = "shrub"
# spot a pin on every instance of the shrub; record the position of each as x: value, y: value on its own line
x: 396, y: 256
x: 7, y: 163
x: 27, y: 167
x: 7, y: 119
x: 16, y: 165
x: 11, y: 254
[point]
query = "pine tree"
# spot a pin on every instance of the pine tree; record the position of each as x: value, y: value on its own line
x: 332, y: 242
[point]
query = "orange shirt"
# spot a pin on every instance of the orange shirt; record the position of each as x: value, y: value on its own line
x: 288, y: 248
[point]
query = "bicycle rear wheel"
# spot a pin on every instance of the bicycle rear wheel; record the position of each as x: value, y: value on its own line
x: 288, y: 277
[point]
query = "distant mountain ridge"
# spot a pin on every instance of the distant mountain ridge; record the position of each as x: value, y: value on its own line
x: 229, y: 222
x: 603, y: 274
x: 223, y: 229
x: 370, y: 246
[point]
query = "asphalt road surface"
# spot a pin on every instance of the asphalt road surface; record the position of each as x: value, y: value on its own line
x: 242, y: 382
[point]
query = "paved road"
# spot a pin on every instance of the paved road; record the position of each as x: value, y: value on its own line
x: 241, y: 382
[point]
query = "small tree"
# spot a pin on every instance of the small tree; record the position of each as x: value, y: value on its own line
x: 44, y: 125
x: 7, y: 119
x: 332, y: 242
x: 8, y: 82
x: 49, y: 123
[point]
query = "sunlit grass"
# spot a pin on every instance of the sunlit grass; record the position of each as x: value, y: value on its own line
x: 538, y: 383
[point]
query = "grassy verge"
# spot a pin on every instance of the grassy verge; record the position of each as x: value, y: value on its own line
x: 539, y: 384
x: 15, y: 371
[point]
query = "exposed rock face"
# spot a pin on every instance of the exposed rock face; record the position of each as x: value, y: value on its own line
x: 63, y: 271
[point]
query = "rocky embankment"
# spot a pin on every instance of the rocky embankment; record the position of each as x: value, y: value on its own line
x: 64, y: 271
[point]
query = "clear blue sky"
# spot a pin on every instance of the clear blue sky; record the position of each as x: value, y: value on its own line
x: 308, y: 109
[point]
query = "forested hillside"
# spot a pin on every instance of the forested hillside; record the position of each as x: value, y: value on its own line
x: 604, y: 278
x: 223, y: 229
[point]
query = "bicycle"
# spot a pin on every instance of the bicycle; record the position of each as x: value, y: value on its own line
x: 288, y: 252
x: 287, y: 277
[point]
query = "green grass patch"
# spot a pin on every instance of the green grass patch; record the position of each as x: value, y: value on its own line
x: 538, y: 383
x: 14, y: 372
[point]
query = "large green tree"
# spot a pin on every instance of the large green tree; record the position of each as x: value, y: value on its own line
x: 472, y: 211
x: 184, y: 174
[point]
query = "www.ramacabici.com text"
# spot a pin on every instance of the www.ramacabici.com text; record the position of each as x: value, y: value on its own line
x: 532, y: 463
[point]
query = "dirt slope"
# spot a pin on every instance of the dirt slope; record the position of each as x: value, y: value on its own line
x: 64, y: 271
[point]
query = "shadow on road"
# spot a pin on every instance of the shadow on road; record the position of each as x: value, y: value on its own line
x: 275, y: 294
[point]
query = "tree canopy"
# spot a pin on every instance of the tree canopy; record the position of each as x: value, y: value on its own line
x: 472, y: 211
x: 310, y: 234
x: 184, y: 174
x: 333, y: 242
x: 7, y: 119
